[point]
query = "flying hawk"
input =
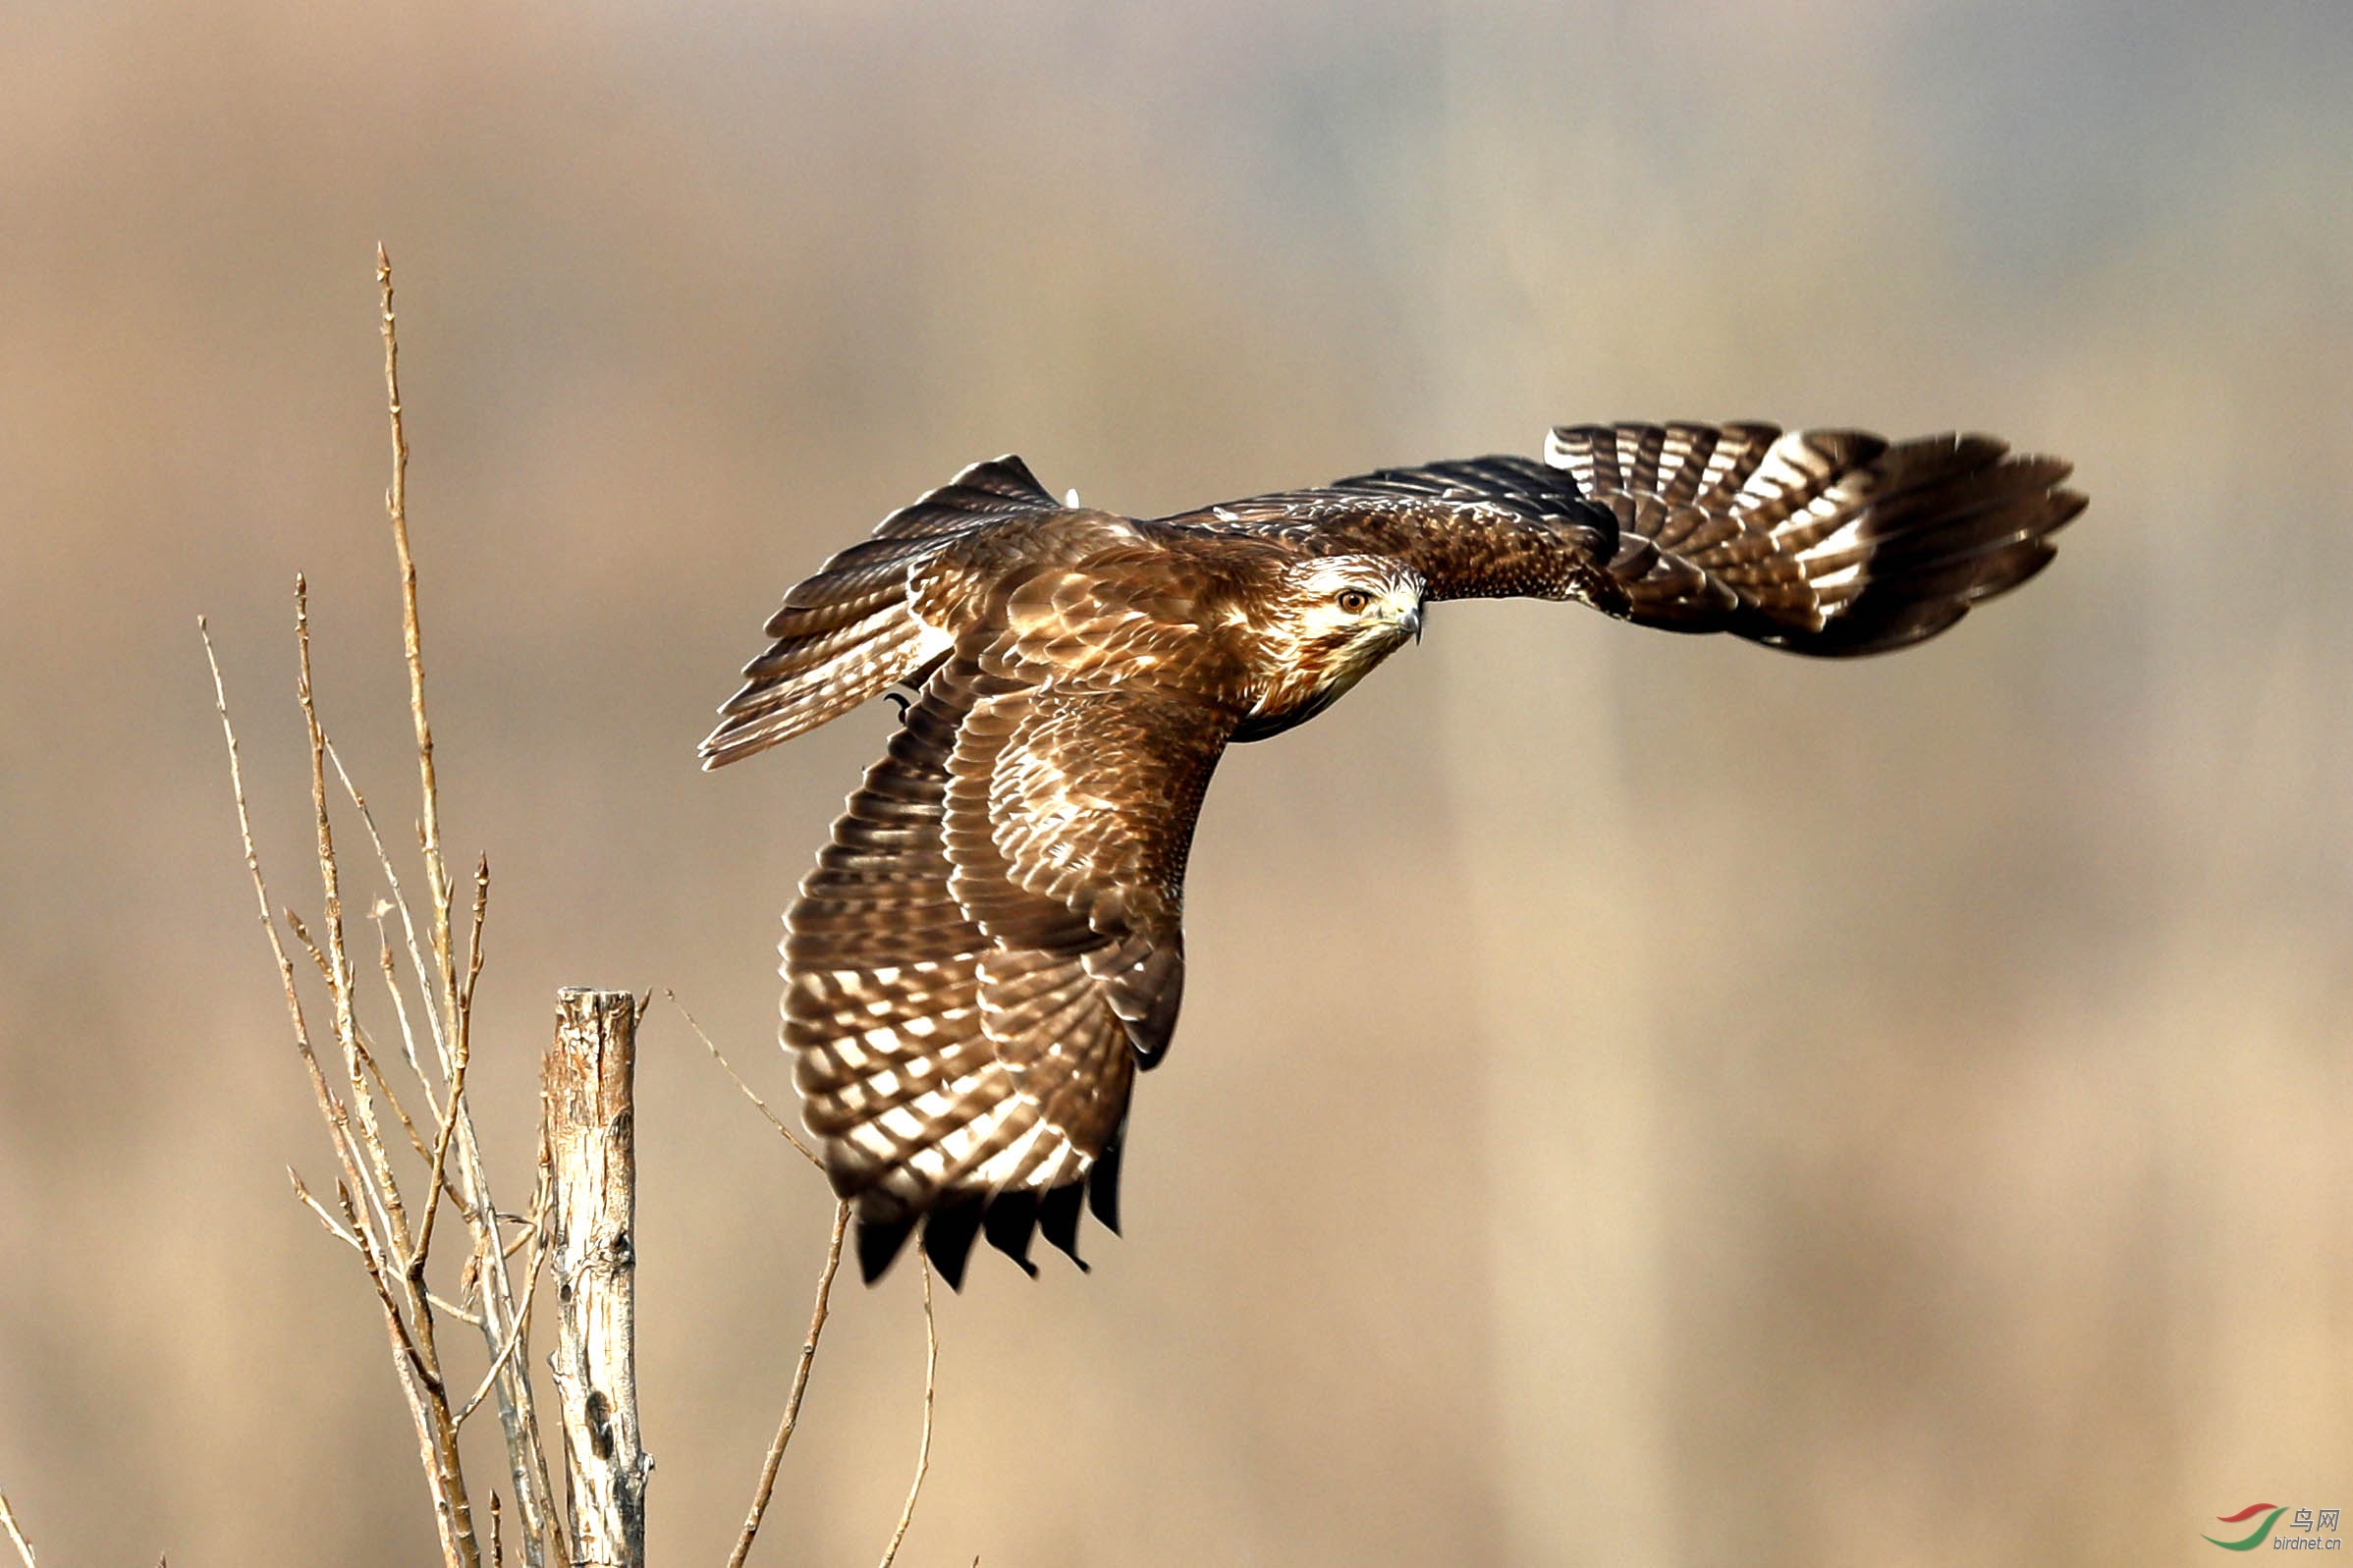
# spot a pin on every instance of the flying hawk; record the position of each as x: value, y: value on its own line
x: 992, y: 945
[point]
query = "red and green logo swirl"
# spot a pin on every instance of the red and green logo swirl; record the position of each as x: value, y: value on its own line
x: 2249, y: 1542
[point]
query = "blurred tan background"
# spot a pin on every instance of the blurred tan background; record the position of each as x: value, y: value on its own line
x: 1640, y: 1100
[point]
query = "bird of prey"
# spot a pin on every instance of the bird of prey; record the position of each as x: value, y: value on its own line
x: 992, y: 945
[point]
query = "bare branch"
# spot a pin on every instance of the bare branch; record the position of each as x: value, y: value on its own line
x: 404, y: 1344
x: 334, y: 1228
x: 463, y: 1052
x: 931, y: 1368
x: 521, y: 1334
x: 428, y: 1408
x: 328, y: 1105
x: 293, y: 923
x: 462, y: 1313
x: 396, y: 508
x: 375, y: 1219
x: 521, y: 1240
x: 498, y: 1367
x: 474, y: 937
x: 338, y: 959
x: 400, y: 902
x: 539, y: 1531
x: 801, y: 1383
x: 7, y: 1518
x: 806, y: 1153
x: 375, y: 1075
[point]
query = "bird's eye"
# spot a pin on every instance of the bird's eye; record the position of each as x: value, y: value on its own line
x: 1353, y: 600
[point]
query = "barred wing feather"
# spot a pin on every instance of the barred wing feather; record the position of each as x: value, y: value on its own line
x: 846, y: 633
x: 1824, y: 542
x: 987, y: 953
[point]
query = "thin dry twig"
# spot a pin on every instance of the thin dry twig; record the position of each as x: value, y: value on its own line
x: 395, y: 507
x: 7, y: 1518
x: 375, y: 1075
x: 366, y: 1054
x: 334, y: 1226
x: 540, y: 1530
x: 806, y: 1153
x: 800, y: 1385
x: 498, y: 1367
x: 428, y: 1405
x: 356, y: 1043
x: 338, y: 959
x: 521, y: 1334
x: 522, y: 1238
x: 262, y: 897
x: 931, y: 1368
x: 405, y: 1353
x: 464, y: 1051
x: 473, y: 937
x: 399, y: 902
x: 455, y: 1309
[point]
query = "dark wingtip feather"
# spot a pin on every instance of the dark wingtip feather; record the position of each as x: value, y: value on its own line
x: 2065, y: 504
x: 1011, y: 1220
x: 879, y: 1241
x: 948, y: 1238
x: 1058, y: 1219
x: 1103, y: 1182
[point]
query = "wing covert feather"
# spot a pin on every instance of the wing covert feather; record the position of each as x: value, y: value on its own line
x: 1069, y: 815
x: 1477, y: 528
x: 846, y: 632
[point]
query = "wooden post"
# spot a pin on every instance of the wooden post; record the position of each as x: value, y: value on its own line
x: 591, y: 1143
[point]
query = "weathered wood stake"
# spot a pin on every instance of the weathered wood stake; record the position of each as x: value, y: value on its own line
x: 591, y: 1142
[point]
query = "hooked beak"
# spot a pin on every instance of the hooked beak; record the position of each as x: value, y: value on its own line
x: 1412, y: 623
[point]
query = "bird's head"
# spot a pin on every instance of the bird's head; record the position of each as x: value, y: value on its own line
x: 1347, y: 605
x: 1329, y: 620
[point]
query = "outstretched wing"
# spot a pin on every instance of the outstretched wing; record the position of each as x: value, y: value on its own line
x: 989, y: 950
x: 1827, y: 542
x: 846, y: 633
x: 1478, y: 528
